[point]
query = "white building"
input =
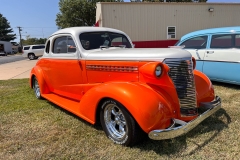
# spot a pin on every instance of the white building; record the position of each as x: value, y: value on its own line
x: 163, y: 24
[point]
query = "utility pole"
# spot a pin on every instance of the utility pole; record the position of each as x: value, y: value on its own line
x: 20, y: 29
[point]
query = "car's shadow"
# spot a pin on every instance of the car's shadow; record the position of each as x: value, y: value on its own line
x: 214, y: 124
x: 227, y: 85
x: 173, y: 146
x: 96, y: 126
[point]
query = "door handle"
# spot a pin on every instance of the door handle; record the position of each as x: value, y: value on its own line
x: 210, y: 52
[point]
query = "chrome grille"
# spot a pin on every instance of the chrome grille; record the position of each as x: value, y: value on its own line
x: 181, y: 73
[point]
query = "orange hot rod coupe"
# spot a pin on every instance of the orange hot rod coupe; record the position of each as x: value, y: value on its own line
x: 97, y: 74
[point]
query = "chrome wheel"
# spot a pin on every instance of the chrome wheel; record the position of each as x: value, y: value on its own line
x: 36, y: 88
x: 31, y: 56
x: 115, y: 121
x: 118, y: 123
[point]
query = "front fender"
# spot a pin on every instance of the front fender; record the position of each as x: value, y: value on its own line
x: 204, y: 87
x: 147, y: 107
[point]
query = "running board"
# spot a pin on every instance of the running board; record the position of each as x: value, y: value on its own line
x: 66, y: 103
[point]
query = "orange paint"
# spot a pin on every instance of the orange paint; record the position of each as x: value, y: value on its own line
x: 79, y: 86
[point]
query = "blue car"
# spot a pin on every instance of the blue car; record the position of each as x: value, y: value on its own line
x: 217, y: 52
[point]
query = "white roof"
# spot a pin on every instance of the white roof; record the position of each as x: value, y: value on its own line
x: 78, y: 30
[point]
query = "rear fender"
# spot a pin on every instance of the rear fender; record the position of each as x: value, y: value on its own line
x: 148, y: 108
x: 38, y: 73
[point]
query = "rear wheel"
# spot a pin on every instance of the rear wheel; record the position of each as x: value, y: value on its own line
x: 36, y: 88
x: 31, y: 56
x: 118, y: 124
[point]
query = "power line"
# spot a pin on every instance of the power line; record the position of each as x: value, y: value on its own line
x: 39, y: 27
x: 30, y: 35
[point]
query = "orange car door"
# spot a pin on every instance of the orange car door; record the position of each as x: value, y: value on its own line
x: 64, y: 67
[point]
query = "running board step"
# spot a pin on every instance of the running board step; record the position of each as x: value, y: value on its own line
x: 68, y: 104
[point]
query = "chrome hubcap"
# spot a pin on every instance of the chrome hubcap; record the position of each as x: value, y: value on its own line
x: 115, y: 121
x: 36, y: 88
x: 31, y: 56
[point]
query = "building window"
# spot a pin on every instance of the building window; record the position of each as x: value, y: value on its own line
x: 171, y: 32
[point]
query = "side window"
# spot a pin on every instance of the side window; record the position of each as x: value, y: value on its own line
x: 171, y: 32
x: 221, y: 41
x: 26, y: 48
x: 47, y: 47
x: 71, y: 45
x: 237, y: 41
x: 196, y: 42
x: 42, y: 47
x: 64, y: 44
x: 38, y: 47
x: 35, y: 47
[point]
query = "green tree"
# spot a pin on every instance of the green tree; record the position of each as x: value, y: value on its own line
x: 78, y: 12
x: 6, y: 30
x: 31, y: 41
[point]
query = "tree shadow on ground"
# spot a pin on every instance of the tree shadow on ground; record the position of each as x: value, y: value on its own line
x: 172, y: 147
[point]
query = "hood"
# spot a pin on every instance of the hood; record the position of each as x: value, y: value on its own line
x: 137, y: 54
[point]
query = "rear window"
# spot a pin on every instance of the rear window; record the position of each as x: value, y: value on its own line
x: 38, y: 47
x: 26, y: 48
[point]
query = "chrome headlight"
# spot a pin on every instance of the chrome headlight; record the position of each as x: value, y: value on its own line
x: 158, y: 71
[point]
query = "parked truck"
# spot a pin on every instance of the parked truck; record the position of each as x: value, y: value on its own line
x: 5, y: 48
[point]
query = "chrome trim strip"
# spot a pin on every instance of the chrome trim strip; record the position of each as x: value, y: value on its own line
x: 183, y: 128
x: 219, y: 61
x: 112, y: 68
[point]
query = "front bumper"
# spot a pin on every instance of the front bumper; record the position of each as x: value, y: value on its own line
x: 184, y: 127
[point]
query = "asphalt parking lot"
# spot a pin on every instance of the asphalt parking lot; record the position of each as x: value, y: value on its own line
x: 16, y: 70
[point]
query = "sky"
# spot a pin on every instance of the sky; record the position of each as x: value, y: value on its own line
x: 37, y: 17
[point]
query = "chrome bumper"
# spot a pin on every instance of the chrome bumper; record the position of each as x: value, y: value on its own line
x: 184, y: 127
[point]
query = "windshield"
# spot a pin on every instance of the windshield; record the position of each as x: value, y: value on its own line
x: 95, y: 40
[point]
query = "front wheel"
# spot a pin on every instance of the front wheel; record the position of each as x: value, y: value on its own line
x: 118, y: 124
x: 36, y: 88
